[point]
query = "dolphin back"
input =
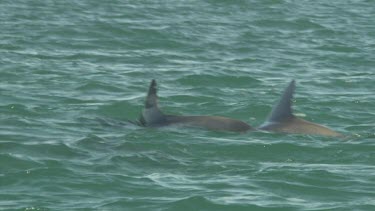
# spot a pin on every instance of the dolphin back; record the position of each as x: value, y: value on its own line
x: 281, y: 118
x: 217, y: 123
x: 152, y: 116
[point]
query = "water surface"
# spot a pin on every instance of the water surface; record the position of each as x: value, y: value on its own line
x: 67, y: 65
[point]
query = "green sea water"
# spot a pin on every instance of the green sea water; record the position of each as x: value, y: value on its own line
x: 72, y: 71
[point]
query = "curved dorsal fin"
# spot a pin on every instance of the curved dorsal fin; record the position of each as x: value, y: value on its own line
x: 151, y: 114
x: 152, y: 97
x: 283, y: 109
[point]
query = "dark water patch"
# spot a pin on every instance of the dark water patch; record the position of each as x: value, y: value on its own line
x: 209, y: 80
x: 121, y: 110
x: 96, y: 86
x: 17, y: 109
x: 17, y: 163
x: 202, y: 203
x: 148, y: 161
x: 95, y: 143
x: 39, y: 151
x: 339, y: 48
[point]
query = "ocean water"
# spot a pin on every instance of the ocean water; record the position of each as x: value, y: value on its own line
x: 72, y: 71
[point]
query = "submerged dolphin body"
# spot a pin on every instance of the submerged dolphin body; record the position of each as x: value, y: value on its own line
x: 152, y: 116
x: 281, y: 118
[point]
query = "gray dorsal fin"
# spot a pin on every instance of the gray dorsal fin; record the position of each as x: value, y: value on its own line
x: 152, y: 97
x: 151, y: 114
x: 283, y: 109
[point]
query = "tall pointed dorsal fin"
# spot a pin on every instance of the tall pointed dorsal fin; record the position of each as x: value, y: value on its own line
x: 152, y: 97
x: 283, y: 109
x: 151, y: 114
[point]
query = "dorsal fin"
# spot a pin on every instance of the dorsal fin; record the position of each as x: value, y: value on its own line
x: 283, y: 109
x: 151, y: 114
x: 152, y: 97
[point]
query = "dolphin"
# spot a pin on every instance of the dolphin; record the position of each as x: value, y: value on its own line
x: 281, y: 118
x: 152, y: 116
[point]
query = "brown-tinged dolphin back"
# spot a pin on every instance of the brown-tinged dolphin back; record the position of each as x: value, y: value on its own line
x: 281, y: 118
x: 152, y: 116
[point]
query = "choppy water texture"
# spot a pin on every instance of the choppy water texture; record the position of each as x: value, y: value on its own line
x: 68, y: 66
